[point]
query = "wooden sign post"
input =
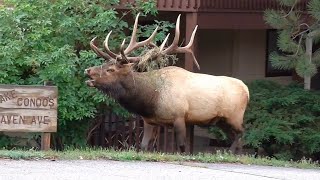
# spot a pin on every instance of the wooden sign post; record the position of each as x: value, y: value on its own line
x: 29, y: 109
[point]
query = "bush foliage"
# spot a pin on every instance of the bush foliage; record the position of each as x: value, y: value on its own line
x: 284, y: 120
x: 44, y: 40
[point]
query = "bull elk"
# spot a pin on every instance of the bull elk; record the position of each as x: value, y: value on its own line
x: 169, y: 95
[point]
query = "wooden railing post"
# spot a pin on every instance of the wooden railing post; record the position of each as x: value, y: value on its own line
x: 45, y: 141
x: 191, y: 22
x: 45, y: 136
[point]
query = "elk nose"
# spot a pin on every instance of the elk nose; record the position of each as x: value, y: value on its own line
x: 87, y: 71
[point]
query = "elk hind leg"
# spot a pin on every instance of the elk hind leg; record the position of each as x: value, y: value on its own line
x: 237, y: 130
x: 179, y: 126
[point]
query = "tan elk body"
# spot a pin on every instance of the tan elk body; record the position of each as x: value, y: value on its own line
x: 170, y: 95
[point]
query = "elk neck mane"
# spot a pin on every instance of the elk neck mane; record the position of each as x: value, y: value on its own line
x: 135, y: 92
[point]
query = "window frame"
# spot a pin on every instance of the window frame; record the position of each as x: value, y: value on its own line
x: 271, y: 46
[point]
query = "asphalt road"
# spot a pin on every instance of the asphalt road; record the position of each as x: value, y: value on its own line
x: 103, y: 169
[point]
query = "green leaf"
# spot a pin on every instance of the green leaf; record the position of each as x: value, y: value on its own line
x: 305, y: 68
x: 314, y: 9
x: 275, y: 19
x: 282, y: 62
x: 316, y: 58
x: 286, y: 43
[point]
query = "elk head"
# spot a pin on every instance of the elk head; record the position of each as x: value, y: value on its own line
x: 120, y: 65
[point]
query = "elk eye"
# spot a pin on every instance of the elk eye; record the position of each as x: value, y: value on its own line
x: 110, y: 70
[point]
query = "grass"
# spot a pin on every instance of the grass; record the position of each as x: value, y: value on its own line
x: 131, y: 155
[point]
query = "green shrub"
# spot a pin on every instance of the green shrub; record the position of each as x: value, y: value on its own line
x: 43, y: 40
x: 5, y: 141
x: 284, y: 120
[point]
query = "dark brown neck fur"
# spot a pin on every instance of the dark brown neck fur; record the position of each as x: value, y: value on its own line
x: 135, y: 93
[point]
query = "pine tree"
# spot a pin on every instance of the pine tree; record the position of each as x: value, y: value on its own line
x: 296, y: 37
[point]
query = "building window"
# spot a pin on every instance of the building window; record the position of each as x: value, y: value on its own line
x: 272, y: 36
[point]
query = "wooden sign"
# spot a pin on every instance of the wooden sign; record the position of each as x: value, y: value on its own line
x: 28, y: 108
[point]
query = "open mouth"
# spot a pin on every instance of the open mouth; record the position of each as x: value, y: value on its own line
x: 90, y: 82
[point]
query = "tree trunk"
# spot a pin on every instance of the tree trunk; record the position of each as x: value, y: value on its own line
x: 307, y: 79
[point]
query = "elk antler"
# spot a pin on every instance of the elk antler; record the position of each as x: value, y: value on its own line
x: 122, y: 56
x: 133, y: 44
x: 97, y: 50
x: 174, y: 48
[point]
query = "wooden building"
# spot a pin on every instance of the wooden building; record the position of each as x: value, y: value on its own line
x: 232, y: 38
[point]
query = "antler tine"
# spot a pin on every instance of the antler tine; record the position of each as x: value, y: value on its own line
x: 116, y: 56
x: 188, y: 49
x: 98, y: 51
x: 164, y: 43
x: 133, y: 35
x: 124, y: 58
x: 150, y: 39
x: 190, y: 44
x: 191, y: 38
x: 176, y: 38
x: 133, y: 42
x: 110, y: 53
x: 195, y: 60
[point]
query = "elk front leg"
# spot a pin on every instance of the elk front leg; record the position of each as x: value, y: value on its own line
x: 180, y: 132
x: 147, y: 135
